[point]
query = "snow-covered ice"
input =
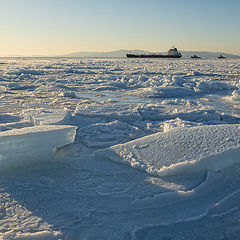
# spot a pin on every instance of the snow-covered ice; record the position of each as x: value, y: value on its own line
x: 181, y: 150
x: 146, y: 149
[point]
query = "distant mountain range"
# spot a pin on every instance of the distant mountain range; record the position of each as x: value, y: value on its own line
x: 122, y: 53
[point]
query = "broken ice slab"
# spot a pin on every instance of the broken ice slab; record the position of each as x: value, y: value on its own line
x: 180, y: 151
x: 32, y: 144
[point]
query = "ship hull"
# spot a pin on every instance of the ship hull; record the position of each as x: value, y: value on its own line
x: 151, y: 56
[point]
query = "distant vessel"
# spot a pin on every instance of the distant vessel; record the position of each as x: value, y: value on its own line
x: 221, y: 57
x: 195, y: 56
x: 172, y: 53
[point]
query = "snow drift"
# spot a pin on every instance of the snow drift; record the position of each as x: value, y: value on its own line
x: 32, y: 144
x: 181, y: 150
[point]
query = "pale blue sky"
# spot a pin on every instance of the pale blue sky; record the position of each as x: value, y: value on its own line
x: 51, y: 27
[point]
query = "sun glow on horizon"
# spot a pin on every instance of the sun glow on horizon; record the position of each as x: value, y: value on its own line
x: 61, y: 27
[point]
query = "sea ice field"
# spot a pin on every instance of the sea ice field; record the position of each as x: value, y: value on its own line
x: 125, y: 149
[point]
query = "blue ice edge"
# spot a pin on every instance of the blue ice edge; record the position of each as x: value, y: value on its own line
x: 29, y: 145
x: 180, y: 151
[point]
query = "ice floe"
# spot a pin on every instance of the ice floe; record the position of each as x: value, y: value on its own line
x: 181, y: 150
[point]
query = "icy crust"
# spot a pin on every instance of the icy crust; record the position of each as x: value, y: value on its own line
x: 181, y: 150
x: 159, y: 111
x: 128, y: 113
x: 161, y: 92
x: 126, y: 99
x: 110, y: 124
x: 235, y: 96
x: 32, y: 144
x: 107, y: 134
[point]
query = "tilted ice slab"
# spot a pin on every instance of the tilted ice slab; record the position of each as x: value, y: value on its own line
x: 181, y: 150
x: 45, y: 116
x: 32, y: 144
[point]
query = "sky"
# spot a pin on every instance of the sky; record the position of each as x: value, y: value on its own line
x: 55, y: 27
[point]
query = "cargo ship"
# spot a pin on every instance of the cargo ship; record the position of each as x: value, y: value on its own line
x: 221, y: 57
x: 195, y: 56
x: 172, y: 53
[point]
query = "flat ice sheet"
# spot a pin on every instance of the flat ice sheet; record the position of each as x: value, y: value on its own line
x: 181, y: 150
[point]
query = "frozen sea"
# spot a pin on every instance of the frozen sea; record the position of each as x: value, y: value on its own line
x: 137, y: 149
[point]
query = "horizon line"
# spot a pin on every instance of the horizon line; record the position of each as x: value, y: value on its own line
x: 111, y: 51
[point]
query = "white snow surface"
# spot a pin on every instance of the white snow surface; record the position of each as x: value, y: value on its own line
x: 180, y: 150
x: 183, y: 112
